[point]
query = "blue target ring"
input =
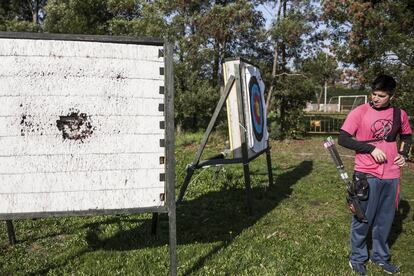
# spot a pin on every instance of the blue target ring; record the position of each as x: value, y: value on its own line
x: 256, y: 108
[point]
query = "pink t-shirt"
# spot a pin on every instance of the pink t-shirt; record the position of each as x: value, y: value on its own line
x: 367, y: 123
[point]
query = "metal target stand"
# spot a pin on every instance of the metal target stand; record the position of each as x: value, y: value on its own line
x: 245, y: 159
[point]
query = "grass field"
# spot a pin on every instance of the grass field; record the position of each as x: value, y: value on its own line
x: 300, y: 224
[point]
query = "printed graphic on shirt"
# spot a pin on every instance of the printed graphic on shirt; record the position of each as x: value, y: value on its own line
x: 381, y: 128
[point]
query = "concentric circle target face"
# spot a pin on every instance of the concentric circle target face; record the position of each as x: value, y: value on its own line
x: 256, y: 108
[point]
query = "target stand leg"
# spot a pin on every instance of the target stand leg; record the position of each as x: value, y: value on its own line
x: 154, y: 224
x: 269, y: 166
x: 246, y: 171
x: 190, y: 172
x: 10, y: 232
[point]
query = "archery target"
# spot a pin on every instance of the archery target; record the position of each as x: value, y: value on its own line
x: 252, y: 98
x: 255, y: 108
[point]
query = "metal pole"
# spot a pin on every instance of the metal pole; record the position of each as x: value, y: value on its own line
x: 190, y: 171
x: 245, y: 154
x: 325, y: 97
x: 339, y: 104
x: 170, y: 158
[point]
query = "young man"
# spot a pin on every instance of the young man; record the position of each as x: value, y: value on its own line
x: 378, y: 158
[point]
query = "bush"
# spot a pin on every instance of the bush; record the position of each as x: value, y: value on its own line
x: 295, y: 127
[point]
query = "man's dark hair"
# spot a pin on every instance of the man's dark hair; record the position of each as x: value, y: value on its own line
x: 384, y: 83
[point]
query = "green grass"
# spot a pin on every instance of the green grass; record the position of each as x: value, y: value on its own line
x: 299, y: 226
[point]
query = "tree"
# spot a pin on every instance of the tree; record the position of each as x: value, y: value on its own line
x: 293, y: 32
x: 321, y: 69
x: 375, y: 37
x: 205, y: 33
x: 77, y: 16
x: 291, y: 95
x: 129, y: 17
x: 18, y: 15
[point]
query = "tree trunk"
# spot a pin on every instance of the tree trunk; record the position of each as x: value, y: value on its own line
x: 274, y: 72
x: 34, y: 8
x: 283, y: 46
x: 318, y: 98
x: 216, y: 63
x: 282, y: 119
x: 275, y: 62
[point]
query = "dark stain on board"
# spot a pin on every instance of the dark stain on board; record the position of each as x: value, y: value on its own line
x: 27, y: 125
x: 120, y: 76
x: 30, y: 125
x: 75, y: 126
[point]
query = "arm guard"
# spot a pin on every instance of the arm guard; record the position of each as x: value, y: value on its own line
x: 345, y: 139
x: 406, y: 141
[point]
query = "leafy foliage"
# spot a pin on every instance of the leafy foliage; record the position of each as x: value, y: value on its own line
x: 375, y: 37
x: 291, y: 96
x: 77, y: 17
x: 206, y: 33
x: 321, y: 69
x: 16, y: 15
x: 294, y: 30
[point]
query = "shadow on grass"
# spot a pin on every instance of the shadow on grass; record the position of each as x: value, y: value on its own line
x: 397, y: 226
x: 213, y: 217
x: 400, y: 216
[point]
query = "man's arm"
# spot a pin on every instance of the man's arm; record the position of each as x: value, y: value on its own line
x: 346, y: 140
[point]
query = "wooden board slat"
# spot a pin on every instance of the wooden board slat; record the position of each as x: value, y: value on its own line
x: 36, y: 68
x: 80, y: 87
x: 80, y: 200
x: 82, y: 162
x: 80, y: 49
x: 102, y: 144
x: 80, y: 181
x: 102, y: 125
x: 92, y: 106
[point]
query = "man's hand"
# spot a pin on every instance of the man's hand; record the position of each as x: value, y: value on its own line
x: 379, y: 155
x: 399, y: 160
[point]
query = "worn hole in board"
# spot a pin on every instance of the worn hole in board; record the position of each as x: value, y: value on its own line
x: 75, y: 126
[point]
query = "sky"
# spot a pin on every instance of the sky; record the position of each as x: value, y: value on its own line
x: 268, y: 11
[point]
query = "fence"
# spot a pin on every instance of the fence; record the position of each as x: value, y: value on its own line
x: 323, y: 123
x: 328, y: 123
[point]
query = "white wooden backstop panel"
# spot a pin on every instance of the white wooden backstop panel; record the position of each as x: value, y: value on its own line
x: 81, y: 126
x: 252, y: 96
